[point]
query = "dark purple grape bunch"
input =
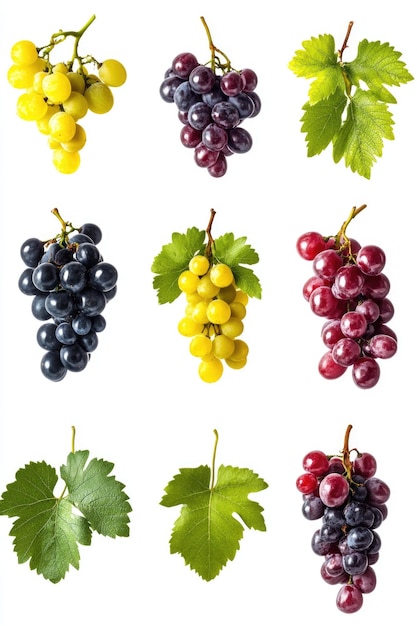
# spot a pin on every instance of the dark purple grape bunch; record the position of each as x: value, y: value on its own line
x: 350, y: 501
x: 70, y: 285
x: 211, y: 107
x: 349, y: 289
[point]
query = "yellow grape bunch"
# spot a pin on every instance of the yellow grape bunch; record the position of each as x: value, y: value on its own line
x: 217, y: 285
x: 213, y: 317
x: 57, y: 96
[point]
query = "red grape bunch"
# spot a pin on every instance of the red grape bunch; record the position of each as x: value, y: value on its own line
x: 351, y: 503
x: 349, y: 289
x: 212, y: 106
x: 70, y: 285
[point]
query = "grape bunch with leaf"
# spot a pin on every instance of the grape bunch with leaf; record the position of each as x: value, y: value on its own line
x: 348, y: 101
x: 57, y: 95
x: 217, y: 286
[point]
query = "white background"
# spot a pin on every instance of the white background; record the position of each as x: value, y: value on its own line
x: 139, y: 403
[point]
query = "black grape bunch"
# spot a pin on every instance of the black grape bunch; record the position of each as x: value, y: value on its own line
x: 350, y: 501
x: 349, y: 290
x: 70, y: 285
x: 213, y: 100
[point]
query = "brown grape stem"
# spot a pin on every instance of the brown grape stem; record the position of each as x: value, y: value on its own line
x: 210, y: 241
x: 341, y: 239
x: 346, y: 454
x: 213, y: 460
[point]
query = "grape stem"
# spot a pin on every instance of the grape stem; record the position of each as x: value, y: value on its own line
x: 67, y: 229
x: 60, y: 36
x: 347, y: 463
x: 346, y: 79
x: 213, y: 461
x: 215, y: 61
x: 73, y: 452
x: 210, y: 241
x: 341, y: 239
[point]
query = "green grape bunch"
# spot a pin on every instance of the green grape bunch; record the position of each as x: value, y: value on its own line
x: 217, y: 287
x: 56, y: 96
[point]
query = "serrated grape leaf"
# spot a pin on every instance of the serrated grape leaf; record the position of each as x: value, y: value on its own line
x: 46, y: 531
x: 172, y: 260
x: 377, y: 64
x: 322, y: 121
x: 319, y: 60
x: 360, y: 139
x: 207, y: 533
x: 236, y: 253
x: 98, y: 496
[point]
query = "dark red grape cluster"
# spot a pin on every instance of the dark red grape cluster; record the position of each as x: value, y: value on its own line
x: 70, y: 285
x: 350, y: 290
x: 211, y: 108
x: 351, y: 503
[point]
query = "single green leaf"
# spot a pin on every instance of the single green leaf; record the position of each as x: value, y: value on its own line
x: 172, y: 260
x: 47, y: 531
x: 97, y: 495
x: 328, y: 82
x: 207, y: 533
x: 322, y: 121
x: 319, y: 54
x: 377, y: 64
x: 236, y: 253
x: 360, y: 139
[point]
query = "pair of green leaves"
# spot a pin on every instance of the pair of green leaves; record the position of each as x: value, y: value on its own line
x: 348, y: 101
x: 48, y: 531
x: 175, y: 256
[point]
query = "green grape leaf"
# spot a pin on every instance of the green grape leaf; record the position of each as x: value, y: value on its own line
x: 337, y: 95
x: 322, y: 121
x: 98, y: 496
x: 207, y: 532
x: 175, y: 257
x: 378, y: 63
x: 47, y: 531
x: 360, y: 139
x: 236, y: 253
x: 172, y: 260
x: 319, y: 60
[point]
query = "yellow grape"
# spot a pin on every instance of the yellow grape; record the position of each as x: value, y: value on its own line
x: 206, y: 289
x: 56, y: 87
x: 112, y: 73
x: 76, y: 105
x: 77, y: 81
x: 43, y: 123
x: 188, y: 282
x: 24, y: 52
x: 21, y: 76
x: 193, y: 297
x: 236, y: 365
x: 37, y: 82
x: 99, y: 97
x: 200, y: 345
x: 232, y: 328
x: 238, y: 310
x: 221, y: 275
x: 199, y: 313
x: 77, y: 142
x: 188, y: 327
x: 242, y: 297
x: 199, y: 265
x: 60, y: 67
x: 223, y: 346
x: 218, y: 312
x: 31, y: 106
x: 210, y: 371
x: 62, y: 126
x: 241, y: 350
x: 65, y: 162
x: 227, y: 293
